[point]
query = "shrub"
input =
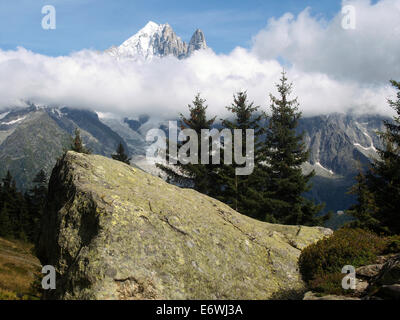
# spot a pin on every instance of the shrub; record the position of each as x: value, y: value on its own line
x: 328, y: 283
x: 392, y: 244
x: 346, y: 246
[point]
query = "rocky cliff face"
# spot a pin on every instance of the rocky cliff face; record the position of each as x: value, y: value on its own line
x: 340, y: 143
x: 198, y: 42
x: 115, y: 232
x: 156, y: 40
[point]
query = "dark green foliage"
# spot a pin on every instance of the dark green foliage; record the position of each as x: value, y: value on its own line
x: 240, y: 191
x: 283, y: 154
x: 365, y: 209
x: 20, y: 213
x: 329, y: 283
x: 321, y: 263
x: 5, y: 222
x: 120, y: 154
x: 346, y: 246
x: 36, y: 200
x: 392, y: 244
x: 275, y: 190
x: 379, y: 191
x: 201, y: 177
x: 13, y: 209
x: 384, y: 177
x: 77, y: 144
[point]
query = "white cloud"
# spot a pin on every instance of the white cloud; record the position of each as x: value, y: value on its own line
x: 326, y: 78
x: 370, y: 53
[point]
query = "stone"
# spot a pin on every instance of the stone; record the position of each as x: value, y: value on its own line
x: 390, y: 292
x: 383, y: 259
x: 369, y: 271
x: 390, y: 272
x: 361, y: 286
x: 386, y: 284
x: 115, y: 232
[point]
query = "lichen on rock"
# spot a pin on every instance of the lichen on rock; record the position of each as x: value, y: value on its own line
x: 115, y: 232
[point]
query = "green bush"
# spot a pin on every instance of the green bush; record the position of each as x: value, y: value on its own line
x: 355, y: 247
x: 328, y: 283
x: 392, y: 245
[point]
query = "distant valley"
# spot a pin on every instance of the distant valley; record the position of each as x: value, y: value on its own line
x: 33, y: 138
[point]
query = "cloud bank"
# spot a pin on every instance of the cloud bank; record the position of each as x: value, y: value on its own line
x: 333, y: 70
x: 369, y: 53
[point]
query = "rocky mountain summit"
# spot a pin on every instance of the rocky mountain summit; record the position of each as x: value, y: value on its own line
x: 158, y: 40
x: 115, y: 232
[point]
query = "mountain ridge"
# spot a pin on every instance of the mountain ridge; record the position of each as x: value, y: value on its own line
x: 158, y: 40
x: 340, y: 144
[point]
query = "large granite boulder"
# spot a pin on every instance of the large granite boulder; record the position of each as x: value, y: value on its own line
x: 115, y: 232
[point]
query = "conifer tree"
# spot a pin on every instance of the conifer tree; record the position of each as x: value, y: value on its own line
x: 77, y: 144
x: 240, y: 192
x: 120, y: 154
x: 5, y: 222
x: 36, y: 200
x: 200, y: 177
x: 40, y: 179
x: 283, y: 153
x: 384, y: 176
x: 20, y: 213
x: 8, y: 182
x: 12, y: 207
x: 365, y: 209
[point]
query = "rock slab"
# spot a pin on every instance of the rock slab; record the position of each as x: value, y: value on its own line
x: 115, y: 232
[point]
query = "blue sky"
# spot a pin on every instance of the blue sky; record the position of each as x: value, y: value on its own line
x: 98, y: 24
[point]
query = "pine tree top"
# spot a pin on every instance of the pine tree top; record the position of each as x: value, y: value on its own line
x: 198, y: 117
x: 77, y: 144
x: 121, y: 155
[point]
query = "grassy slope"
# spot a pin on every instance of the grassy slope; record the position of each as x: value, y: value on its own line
x: 18, y: 270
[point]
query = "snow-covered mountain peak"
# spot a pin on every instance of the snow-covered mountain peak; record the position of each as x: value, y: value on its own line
x: 150, y: 27
x: 158, y: 40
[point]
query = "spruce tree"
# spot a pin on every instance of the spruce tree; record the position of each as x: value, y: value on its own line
x: 121, y: 155
x: 384, y: 176
x: 200, y: 177
x: 365, y: 209
x: 15, y: 217
x: 36, y: 199
x: 40, y: 179
x: 77, y: 144
x: 283, y: 154
x: 11, y: 206
x: 240, y: 192
x: 6, y: 229
x: 8, y: 182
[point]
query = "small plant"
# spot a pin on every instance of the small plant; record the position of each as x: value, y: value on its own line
x: 392, y: 245
x: 328, y: 283
x: 346, y: 246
